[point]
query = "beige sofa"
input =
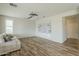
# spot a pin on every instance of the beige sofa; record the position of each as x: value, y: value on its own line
x: 6, y: 47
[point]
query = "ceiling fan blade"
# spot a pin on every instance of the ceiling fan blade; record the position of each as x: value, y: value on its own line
x: 33, y: 14
x: 29, y: 17
x: 12, y: 4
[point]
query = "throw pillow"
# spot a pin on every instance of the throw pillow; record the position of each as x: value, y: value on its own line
x: 7, y: 37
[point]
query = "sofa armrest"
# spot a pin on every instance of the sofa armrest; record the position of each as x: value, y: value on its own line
x: 1, y: 39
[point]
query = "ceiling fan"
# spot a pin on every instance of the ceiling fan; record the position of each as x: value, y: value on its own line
x: 31, y: 15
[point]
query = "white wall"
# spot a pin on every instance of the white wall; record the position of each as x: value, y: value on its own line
x: 21, y: 27
x: 30, y: 28
x: 2, y: 25
x: 58, y: 30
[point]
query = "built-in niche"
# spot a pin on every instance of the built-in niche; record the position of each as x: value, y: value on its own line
x: 44, y: 28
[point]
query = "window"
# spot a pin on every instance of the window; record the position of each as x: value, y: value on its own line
x: 9, y: 26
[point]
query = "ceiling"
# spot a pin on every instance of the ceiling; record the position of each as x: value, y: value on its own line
x: 42, y: 9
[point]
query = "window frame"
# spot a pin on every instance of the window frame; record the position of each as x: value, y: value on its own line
x: 8, y: 27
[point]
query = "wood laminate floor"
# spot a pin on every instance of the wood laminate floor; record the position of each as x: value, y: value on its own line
x: 71, y: 42
x: 34, y: 46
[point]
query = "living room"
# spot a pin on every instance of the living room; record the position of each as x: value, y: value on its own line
x: 39, y: 28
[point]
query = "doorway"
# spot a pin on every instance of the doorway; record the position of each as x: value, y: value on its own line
x: 72, y: 31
